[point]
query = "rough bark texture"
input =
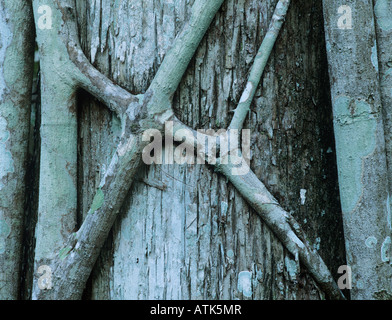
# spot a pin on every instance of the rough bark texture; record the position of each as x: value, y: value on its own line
x: 183, y: 231
x: 383, y: 18
x: 16, y: 75
x: 32, y: 186
x: 360, y: 145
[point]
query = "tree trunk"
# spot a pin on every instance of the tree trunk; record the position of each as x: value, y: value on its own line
x: 16, y: 75
x: 184, y: 232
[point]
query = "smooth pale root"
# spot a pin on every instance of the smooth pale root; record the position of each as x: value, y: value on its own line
x: 280, y: 222
x: 81, y: 250
x: 174, y: 65
x: 90, y: 79
x: 360, y: 146
x: 16, y: 75
x: 58, y: 188
x: 259, y: 64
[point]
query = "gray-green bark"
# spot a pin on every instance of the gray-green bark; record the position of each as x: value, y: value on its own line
x: 284, y: 225
x: 73, y: 263
x: 383, y: 18
x: 179, y: 254
x: 360, y: 147
x: 167, y: 237
x: 16, y: 74
x: 259, y: 64
x: 58, y: 132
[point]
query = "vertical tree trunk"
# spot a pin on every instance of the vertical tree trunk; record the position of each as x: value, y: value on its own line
x: 183, y: 231
x: 57, y: 203
x: 360, y: 144
x: 16, y: 74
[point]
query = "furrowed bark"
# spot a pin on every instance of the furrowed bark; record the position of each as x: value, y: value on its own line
x: 267, y: 207
x: 259, y: 64
x: 253, y: 190
x: 383, y: 18
x: 174, y: 65
x: 73, y: 263
x: 64, y: 71
x: 16, y: 74
x: 360, y: 146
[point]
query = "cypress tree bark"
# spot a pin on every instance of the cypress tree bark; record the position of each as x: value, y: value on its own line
x: 383, y: 18
x: 57, y: 185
